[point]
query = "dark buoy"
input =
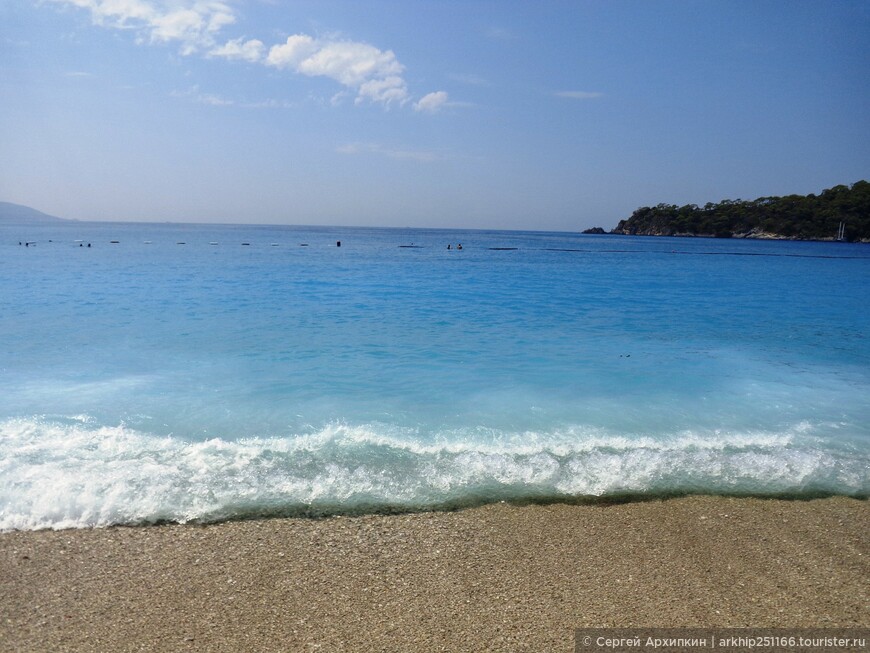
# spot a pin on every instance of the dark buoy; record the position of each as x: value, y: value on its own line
x: 338, y: 243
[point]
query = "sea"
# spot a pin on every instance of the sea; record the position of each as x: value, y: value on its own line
x: 154, y: 373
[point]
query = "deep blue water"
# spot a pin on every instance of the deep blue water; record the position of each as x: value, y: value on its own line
x: 148, y: 380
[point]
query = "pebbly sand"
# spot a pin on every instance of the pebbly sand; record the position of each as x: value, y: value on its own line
x: 496, y: 578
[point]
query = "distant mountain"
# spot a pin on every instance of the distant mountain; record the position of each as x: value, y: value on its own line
x: 17, y: 214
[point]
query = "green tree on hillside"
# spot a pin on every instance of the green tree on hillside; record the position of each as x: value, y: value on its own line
x: 803, y: 217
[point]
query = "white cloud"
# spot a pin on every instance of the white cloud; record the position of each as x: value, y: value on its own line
x: 432, y: 102
x: 391, y: 89
x: 117, y: 13
x: 351, y: 63
x: 251, y: 50
x: 193, y: 24
x: 580, y: 95
x: 290, y: 54
x: 374, y: 74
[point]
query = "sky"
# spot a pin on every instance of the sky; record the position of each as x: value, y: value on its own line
x: 550, y: 115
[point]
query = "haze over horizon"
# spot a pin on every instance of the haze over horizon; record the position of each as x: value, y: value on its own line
x: 494, y: 115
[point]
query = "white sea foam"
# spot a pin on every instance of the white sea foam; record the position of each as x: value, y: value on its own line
x: 72, y: 473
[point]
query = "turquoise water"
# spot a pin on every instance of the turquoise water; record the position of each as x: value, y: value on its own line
x: 148, y: 380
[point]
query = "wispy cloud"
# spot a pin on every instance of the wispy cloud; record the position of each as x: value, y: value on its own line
x: 580, y: 95
x: 432, y: 102
x: 499, y: 34
x: 212, y: 99
x: 15, y: 43
x: 372, y: 74
x: 421, y: 156
x: 471, y: 80
x: 269, y: 104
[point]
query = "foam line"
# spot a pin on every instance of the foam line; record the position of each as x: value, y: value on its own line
x: 73, y: 473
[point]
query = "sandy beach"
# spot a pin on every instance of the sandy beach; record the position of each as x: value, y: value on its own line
x: 495, y: 578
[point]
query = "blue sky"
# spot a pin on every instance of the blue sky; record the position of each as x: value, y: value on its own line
x: 506, y: 115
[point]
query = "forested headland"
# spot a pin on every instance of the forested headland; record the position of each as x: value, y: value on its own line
x: 793, y: 217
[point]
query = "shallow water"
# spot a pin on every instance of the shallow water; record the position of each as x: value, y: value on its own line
x: 148, y: 380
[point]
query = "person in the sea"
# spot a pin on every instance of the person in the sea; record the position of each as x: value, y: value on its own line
x: 448, y: 245
x: 459, y: 246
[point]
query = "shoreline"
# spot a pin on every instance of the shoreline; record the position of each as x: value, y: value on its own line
x: 498, y: 577
x: 591, y: 231
x: 761, y: 235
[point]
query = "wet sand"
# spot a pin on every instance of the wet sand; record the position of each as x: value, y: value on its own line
x: 496, y: 578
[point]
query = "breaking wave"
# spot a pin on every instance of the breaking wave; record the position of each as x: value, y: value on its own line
x: 72, y: 473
